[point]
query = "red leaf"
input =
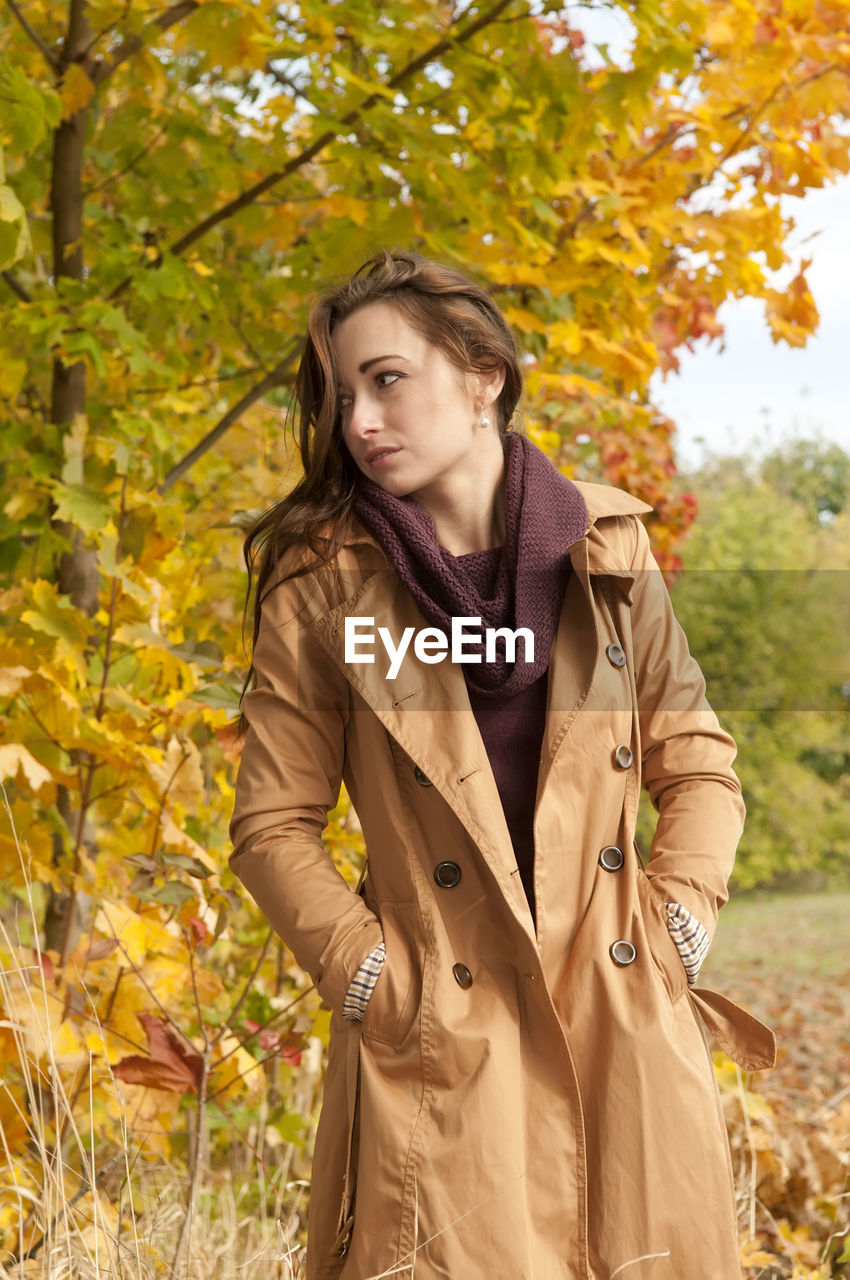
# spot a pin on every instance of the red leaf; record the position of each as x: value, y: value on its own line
x: 199, y: 931
x: 172, y: 1065
x: 43, y: 959
x: 765, y: 32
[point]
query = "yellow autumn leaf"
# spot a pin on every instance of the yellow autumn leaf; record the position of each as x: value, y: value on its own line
x: 237, y: 1071
x: 15, y: 756
x: 23, y: 503
x: 12, y: 375
x: 168, y: 977
x: 11, y: 679
x: 37, y: 1016
x: 752, y: 1255
x: 199, y: 267
x: 797, y: 1244
x: 76, y: 92
x: 180, y: 774
x: 525, y: 321
x: 725, y: 1071
x: 138, y: 935
x: 574, y: 383
x: 149, y: 1115
x: 94, y: 1042
x: 567, y: 335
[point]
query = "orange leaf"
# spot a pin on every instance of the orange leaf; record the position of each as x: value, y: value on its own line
x: 171, y: 1066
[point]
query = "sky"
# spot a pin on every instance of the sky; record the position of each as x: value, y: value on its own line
x: 755, y: 395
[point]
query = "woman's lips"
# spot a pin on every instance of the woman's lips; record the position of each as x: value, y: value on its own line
x: 379, y: 459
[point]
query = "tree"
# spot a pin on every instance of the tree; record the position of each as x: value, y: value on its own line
x: 764, y: 598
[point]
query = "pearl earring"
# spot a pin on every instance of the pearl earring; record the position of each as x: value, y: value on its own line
x: 483, y: 421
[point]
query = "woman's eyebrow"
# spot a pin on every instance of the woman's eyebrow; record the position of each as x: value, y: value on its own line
x: 368, y: 363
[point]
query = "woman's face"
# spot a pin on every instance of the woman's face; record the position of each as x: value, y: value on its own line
x: 410, y: 419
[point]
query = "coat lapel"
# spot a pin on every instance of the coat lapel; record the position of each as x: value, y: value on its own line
x: 426, y: 709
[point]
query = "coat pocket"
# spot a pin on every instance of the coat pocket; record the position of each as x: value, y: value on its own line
x: 663, y: 950
x: 394, y: 1003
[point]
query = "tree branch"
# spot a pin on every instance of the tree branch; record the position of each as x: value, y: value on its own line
x: 274, y: 378
x: 352, y: 117
x: 16, y: 287
x: 119, y: 173
x: 52, y: 59
x: 199, y: 382
x: 100, y: 71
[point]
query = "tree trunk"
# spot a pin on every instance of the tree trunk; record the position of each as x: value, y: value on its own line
x: 68, y: 914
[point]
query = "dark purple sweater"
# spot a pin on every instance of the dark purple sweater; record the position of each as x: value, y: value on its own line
x: 512, y: 730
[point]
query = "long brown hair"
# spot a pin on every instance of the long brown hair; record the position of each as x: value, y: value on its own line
x: 448, y: 310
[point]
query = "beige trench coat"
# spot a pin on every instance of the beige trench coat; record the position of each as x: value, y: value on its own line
x: 558, y: 1118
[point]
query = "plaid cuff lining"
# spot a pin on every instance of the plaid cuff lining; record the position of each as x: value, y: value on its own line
x: 363, y: 984
x: 691, y: 939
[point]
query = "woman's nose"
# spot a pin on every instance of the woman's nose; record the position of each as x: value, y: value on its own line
x: 363, y: 419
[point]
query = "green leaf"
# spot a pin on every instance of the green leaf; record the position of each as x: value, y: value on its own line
x: 173, y: 894
x: 55, y: 616
x: 142, y: 860
x: 291, y: 1127
x: 81, y: 507
x: 220, y: 697
x: 192, y: 865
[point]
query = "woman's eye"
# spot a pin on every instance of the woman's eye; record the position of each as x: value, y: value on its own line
x: 385, y: 378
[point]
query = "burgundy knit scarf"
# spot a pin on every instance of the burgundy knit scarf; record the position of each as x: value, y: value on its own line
x: 544, y: 515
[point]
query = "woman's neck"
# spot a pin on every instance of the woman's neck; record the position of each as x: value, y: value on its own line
x: 471, y: 516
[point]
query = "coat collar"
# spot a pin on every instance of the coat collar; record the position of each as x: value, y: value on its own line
x: 604, y: 501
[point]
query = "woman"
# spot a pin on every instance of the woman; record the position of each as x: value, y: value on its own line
x: 518, y: 1084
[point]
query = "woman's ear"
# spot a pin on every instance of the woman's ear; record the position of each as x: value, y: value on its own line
x: 490, y: 383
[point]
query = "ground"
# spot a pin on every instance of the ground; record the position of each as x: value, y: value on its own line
x: 787, y: 958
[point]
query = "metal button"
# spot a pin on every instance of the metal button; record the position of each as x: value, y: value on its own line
x: 422, y: 778
x: 622, y: 952
x: 623, y: 756
x: 616, y: 655
x: 611, y: 858
x: 463, y: 977
x: 447, y: 874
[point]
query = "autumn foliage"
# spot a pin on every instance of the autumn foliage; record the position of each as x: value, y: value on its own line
x: 175, y: 184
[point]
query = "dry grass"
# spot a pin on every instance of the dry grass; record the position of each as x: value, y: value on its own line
x: 80, y: 1205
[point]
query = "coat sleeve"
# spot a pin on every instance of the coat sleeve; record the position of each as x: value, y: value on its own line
x: 686, y: 756
x: 289, y: 777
